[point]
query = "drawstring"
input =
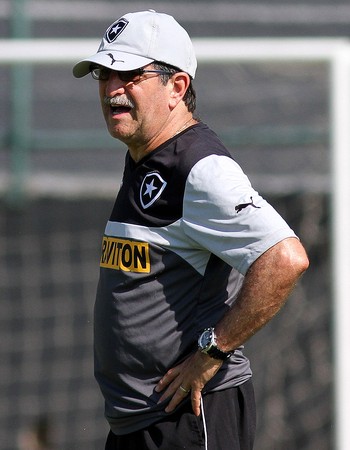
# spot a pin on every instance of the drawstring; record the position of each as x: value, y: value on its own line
x: 204, y: 426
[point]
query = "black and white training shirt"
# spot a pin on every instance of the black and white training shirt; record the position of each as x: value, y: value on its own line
x: 185, y: 228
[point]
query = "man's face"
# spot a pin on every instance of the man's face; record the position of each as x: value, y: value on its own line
x: 135, y: 113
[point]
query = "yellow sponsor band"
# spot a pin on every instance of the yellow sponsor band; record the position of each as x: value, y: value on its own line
x: 122, y: 254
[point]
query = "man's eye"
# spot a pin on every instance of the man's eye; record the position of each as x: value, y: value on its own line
x: 130, y: 75
x: 104, y: 73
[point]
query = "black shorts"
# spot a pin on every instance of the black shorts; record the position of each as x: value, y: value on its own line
x: 227, y: 422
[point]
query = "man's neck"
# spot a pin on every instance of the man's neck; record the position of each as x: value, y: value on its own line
x: 137, y: 153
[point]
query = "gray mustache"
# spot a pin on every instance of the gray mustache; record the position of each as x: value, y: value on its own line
x: 118, y: 101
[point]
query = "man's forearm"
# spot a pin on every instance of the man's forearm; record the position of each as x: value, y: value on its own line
x: 267, y: 286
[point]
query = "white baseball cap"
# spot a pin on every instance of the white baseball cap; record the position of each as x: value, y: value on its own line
x: 138, y: 39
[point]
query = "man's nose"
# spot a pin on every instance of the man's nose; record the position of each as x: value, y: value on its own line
x: 114, y: 84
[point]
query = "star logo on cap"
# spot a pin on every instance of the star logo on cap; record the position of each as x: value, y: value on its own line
x: 151, y: 189
x: 115, y: 29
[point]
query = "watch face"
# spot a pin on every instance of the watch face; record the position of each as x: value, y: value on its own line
x: 204, y: 340
x: 207, y: 344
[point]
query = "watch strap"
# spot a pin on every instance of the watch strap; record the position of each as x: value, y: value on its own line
x: 216, y: 353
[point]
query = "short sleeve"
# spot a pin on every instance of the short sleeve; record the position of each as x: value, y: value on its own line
x: 225, y: 215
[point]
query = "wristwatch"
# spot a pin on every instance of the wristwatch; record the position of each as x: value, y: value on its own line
x: 207, y: 344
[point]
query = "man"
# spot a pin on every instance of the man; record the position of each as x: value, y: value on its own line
x: 194, y: 261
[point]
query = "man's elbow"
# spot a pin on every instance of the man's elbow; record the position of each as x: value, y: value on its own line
x: 303, y: 262
x: 295, y: 257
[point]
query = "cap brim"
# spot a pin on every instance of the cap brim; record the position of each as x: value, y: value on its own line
x: 113, y: 60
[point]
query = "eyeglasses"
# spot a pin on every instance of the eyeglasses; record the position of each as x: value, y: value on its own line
x: 101, y: 73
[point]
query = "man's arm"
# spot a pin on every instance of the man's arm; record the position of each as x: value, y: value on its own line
x: 267, y: 285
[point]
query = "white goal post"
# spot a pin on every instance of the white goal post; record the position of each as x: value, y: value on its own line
x: 336, y: 53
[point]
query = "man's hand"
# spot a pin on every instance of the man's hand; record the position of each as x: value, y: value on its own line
x: 192, y: 375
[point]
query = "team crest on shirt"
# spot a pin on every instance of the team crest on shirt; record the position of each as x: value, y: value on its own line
x: 151, y: 189
x: 115, y: 29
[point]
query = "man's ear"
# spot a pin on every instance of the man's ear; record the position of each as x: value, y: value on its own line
x: 178, y: 85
